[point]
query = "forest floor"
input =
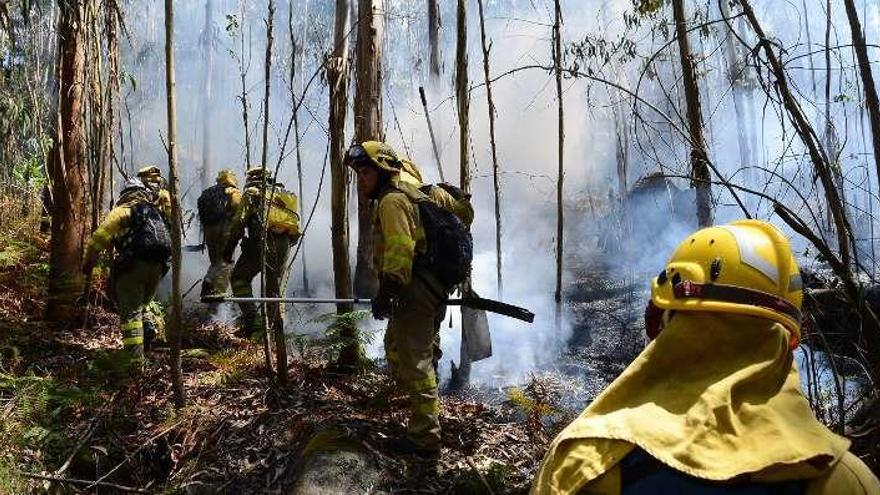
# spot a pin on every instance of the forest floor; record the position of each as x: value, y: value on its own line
x: 70, y: 419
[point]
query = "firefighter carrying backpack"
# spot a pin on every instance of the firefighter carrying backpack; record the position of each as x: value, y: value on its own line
x: 213, y: 205
x: 147, y: 238
x: 282, y: 207
x: 450, y: 248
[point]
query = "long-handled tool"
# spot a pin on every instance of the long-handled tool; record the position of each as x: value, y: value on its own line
x: 431, y: 131
x: 489, y: 305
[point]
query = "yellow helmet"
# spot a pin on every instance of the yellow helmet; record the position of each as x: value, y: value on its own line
x: 227, y: 177
x: 746, y: 267
x: 258, y: 174
x: 375, y: 152
x: 149, y: 172
x: 410, y: 173
x: 151, y: 176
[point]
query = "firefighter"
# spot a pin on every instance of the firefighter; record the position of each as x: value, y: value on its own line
x: 138, y: 231
x: 152, y: 177
x: 216, y: 206
x: 713, y: 404
x: 281, y: 229
x: 411, y: 297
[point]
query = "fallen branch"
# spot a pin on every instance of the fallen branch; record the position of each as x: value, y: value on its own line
x: 130, y: 456
x: 85, y: 438
x: 89, y: 484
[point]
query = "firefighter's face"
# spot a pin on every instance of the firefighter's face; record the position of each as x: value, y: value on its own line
x: 367, y: 180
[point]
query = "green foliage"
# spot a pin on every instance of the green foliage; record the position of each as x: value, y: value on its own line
x: 10, y: 481
x: 156, y: 312
x: 230, y: 366
x: 16, y: 253
x: 337, y: 335
x: 528, y: 405
x: 232, y: 24
x: 648, y: 7
x: 112, y: 367
x: 537, y: 401
x: 38, y: 403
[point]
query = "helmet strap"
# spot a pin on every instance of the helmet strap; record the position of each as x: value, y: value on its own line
x: 736, y: 295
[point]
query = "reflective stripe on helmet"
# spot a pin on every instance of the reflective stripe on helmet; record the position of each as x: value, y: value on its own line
x: 748, y: 253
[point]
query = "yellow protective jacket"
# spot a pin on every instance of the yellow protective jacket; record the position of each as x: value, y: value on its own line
x: 716, y: 397
x: 243, y: 209
x: 164, y: 203
x: 398, y: 234
x: 113, y: 227
x: 234, y: 195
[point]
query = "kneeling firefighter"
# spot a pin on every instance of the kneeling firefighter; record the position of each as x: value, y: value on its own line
x: 279, y: 230
x: 139, y: 233
x: 713, y: 405
x: 217, y: 204
x: 421, y: 249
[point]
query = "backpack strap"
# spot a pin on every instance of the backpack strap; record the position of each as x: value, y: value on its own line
x: 415, y: 194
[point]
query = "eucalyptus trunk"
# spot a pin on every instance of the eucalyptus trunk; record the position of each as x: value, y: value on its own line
x: 176, y: 316
x: 434, y: 37
x: 337, y: 78
x: 67, y: 169
x: 368, y: 127
x: 871, y: 101
x: 699, y: 159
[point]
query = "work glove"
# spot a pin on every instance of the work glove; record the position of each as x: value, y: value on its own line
x: 383, y: 304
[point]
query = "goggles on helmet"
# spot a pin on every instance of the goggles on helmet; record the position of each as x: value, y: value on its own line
x: 356, y: 153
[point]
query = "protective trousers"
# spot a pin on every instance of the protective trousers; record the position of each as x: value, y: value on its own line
x: 247, y: 267
x: 132, y: 286
x: 411, y: 347
x: 217, y: 278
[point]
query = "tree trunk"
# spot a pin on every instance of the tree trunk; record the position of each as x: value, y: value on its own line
x: 67, y: 169
x: 461, y: 375
x: 367, y: 127
x: 112, y: 20
x: 735, y: 72
x: 839, y: 264
x: 295, y: 67
x: 699, y: 168
x: 337, y: 78
x: 560, y: 174
x: 205, y: 172
x: 176, y: 324
x: 808, y: 135
x: 871, y: 100
x: 434, y: 37
x: 243, y: 97
x: 275, y: 325
x: 871, y: 339
x: 496, y: 179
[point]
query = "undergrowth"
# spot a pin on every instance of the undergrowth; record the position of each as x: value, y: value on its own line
x: 33, y: 411
x: 335, y: 339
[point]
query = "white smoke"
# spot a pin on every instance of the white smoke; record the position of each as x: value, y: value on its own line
x: 526, y: 135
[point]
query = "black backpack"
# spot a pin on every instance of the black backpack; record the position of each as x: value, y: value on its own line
x: 147, y: 238
x: 450, y: 246
x: 213, y: 205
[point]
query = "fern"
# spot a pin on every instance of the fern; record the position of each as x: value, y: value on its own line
x: 37, y: 403
x: 334, y: 335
